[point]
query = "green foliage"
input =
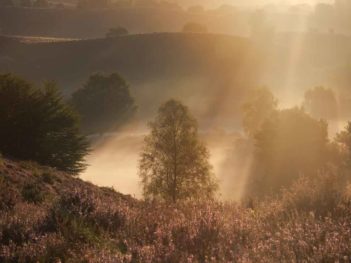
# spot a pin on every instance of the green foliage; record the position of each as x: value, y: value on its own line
x: 33, y: 193
x: 116, y: 32
x: 37, y: 125
x: 174, y: 163
x: 104, y: 103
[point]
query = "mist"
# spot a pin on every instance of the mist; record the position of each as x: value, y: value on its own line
x: 290, y: 47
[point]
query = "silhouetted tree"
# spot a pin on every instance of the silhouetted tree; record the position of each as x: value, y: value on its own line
x: 194, y: 28
x: 35, y: 124
x: 321, y: 103
x: 286, y: 147
x: 343, y: 139
x: 103, y: 103
x: 174, y: 163
x: 261, y: 106
x: 116, y: 32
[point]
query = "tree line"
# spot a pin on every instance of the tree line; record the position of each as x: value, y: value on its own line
x: 37, y: 123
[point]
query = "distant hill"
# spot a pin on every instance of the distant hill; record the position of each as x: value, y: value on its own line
x: 137, y: 57
x: 85, y: 23
x: 200, y: 67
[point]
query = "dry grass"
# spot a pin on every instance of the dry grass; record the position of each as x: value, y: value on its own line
x: 78, y: 221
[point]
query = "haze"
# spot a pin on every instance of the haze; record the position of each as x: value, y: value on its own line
x: 211, y: 67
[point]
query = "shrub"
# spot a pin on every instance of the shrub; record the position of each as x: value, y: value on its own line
x: 320, y: 195
x: 104, y: 103
x: 33, y: 193
x: 70, y: 217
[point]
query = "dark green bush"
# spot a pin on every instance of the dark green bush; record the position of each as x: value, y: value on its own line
x: 104, y: 103
x: 37, y: 125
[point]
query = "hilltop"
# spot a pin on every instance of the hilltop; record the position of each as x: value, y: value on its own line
x: 137, y: 57
x: 94, y: 23
x: 157, y: 66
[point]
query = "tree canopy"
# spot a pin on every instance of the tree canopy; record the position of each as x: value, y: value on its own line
x: 286, y: 147
x: 321, y: 103
x: 261, y: 106
x: 103, y: 103
x: 174, y: 162
x: 35, y: 124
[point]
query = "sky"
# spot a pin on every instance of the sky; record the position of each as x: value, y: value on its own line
x: 214, y: 3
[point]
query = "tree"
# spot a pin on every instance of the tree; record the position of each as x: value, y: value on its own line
x: 174, y: 163
x: 343, y: 141
x: 104, y: 103
x: 262, y: 105
x: 116, y: 32
x: 321, y: 103
x: 286, y: 147
x: 35, y: 124
x: 194, y: 28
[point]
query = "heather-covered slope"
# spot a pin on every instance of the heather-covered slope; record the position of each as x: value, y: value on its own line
x: 47, y: 216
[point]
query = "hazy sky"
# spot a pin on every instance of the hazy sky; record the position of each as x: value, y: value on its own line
x: 214, y: 3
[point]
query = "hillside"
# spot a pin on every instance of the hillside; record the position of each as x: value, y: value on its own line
x: 158, y: 66
x: 48, y: 216
x: 94, y: 23
x: 137, y: 57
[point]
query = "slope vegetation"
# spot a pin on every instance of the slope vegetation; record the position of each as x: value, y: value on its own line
x: 48, y: 216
